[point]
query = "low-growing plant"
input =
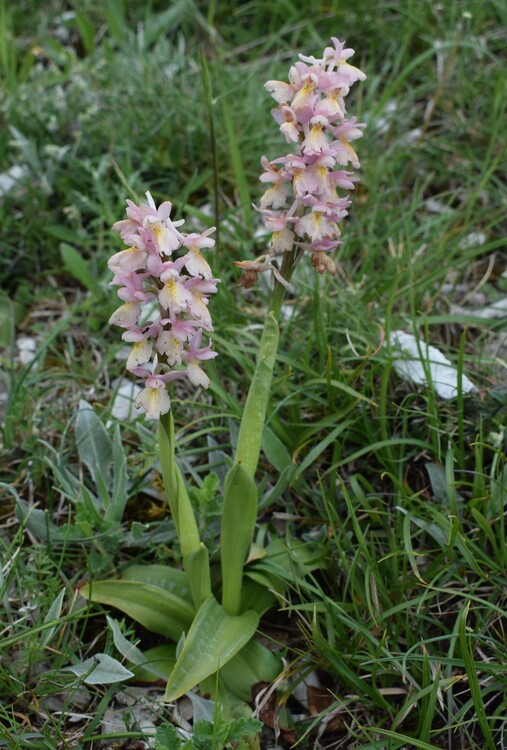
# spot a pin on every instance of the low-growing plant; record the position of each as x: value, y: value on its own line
x: 165, y: 284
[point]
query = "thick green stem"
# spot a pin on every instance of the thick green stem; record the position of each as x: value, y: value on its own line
x: 195, y: 555
x: 288, y: 265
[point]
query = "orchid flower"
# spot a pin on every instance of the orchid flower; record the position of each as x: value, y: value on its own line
x: 152, y: 269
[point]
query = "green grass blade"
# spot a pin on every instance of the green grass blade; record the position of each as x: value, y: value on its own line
x: 465, y: 642
x: 242, y: 183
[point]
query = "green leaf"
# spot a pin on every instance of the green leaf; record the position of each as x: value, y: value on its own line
x: 221, y: 733
x: 197, y: 568
x: 100, y: 669
x: 115, y: 18
x: 86, y: 31
x: 257, y: 595
x: 76, y: 266
x: 7, y: 323
x: 465, y: 642
x: 161, y: 24
x: 38, y: 522
x: 243, y: 184
x: 232, y: 731
x: 163, y: 576
x: 119, y: 494
x: 213, y: 639
x: 405, y: 739
x: 238, y: 524
x: 275, y: 451
x: 94, y: 445
x: 341, y: 387
x: 158, y: 663
x: 53, y: 614
x: 254, y: 414
x: 254, y: 663
x: 155, y: 608
x: 167, y: 738
x: 127, y: 649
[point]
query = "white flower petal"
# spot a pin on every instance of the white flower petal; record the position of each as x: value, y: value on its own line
x: 140, y: 354
x: 126, y: 316
x: 196, y: 375
x: 155, y: 401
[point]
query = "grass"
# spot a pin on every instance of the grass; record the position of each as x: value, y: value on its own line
x: 401, y: 492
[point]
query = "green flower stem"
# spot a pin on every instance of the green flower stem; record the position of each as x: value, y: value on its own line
x: 289, y: 263
x: 195, y: 557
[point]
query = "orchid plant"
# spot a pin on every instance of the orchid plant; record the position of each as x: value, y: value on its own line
x: 165, y: 284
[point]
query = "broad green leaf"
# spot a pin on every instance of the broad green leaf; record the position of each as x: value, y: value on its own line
x: 254, y: 414
x: 53, y: 613
x: 431, y: 528
x: 68, y: 483
x: 238, y: 524
x: 94, y: 445
x: 439, y: 483
x: 158, y: 663
x: 230, y: 703
x: 197, y: 571
x: 127, y: 649
x: 162, y: 576
x: 203, y: 709
x: 213, y: 639
x: 156, y: 609
x: 275, y: 451
x: 254, y: 663
x: 274, y: 494
x: 257, y: 596
x: 38, y: 522
x: 287, y: 559
x: 100, y: 669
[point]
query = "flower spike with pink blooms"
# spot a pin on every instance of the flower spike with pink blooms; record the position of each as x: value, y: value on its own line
x: 301, y: 206
x: 165, y: 266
